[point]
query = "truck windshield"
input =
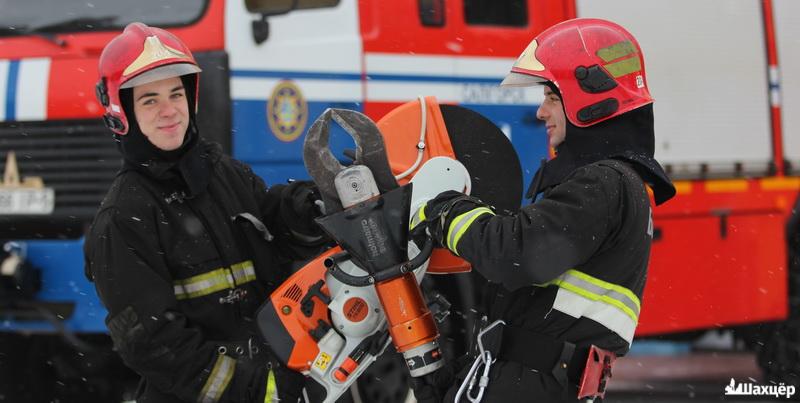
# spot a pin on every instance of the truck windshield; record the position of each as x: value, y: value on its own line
x: 93, y: 15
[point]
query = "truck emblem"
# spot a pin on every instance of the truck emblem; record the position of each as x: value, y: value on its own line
x: 287, y: 111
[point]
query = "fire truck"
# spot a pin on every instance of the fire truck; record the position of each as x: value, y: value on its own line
x: 727, y: 128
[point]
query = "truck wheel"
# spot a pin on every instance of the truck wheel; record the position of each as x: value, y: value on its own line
x: 779, y: 357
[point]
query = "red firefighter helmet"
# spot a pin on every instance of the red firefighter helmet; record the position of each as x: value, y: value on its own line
x: 596, y: 64
x: 139, y: 55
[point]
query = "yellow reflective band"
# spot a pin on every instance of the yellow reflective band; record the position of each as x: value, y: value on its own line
x: 616, y: 51
x: 271, y: 395
x: 214, y: 281
x: 243, y: 272
x: 613, y: 306
x: 600, y: 298
x: 623, y: 67
x: 418, y: 217
x: 609, y: 316
x: 602, y: 291
x: 460, y: 225
x: 608, y: 286
x: 219, y: 379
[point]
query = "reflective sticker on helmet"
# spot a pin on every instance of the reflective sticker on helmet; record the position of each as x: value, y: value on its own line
x: 154, y: 51
x: 623, y: 67
x: 527, y: 60
x: 615, y: 51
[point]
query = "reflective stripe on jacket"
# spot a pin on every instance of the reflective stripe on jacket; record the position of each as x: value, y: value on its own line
x: 182, y: 279
x: 613, y: 306
x: 587, y: 240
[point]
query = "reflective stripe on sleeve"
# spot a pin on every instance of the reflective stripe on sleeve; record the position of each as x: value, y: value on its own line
x: 418, y: 217
x: 460, y: 225
x: 219, y: 379
x: 271, y: 396
x: 215, y: 280
x: 613, y: 306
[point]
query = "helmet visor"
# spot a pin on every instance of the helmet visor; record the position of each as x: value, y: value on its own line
x: 161, y: 73
x: 514, y: 79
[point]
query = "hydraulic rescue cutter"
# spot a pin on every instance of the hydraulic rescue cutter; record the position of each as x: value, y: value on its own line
x: 338, y: 313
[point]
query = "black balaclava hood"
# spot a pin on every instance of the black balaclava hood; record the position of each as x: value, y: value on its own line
x: 629, y: 137
x: 187, y: 162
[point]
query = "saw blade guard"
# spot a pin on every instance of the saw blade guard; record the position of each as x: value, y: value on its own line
x: 449, y: 147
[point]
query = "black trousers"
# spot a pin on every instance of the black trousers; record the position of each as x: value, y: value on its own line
x: 510, y: 382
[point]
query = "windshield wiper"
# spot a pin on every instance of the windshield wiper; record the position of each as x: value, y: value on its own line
x: 49, y: 31
x: 77, y: 24
x: 23, y: 31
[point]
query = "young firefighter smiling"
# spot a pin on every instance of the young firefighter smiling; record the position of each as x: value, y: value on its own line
x: 188, y: 242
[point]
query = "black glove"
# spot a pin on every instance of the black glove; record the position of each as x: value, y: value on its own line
x: 300, y: 205
x: 438, y: 214
x: 433, y: 387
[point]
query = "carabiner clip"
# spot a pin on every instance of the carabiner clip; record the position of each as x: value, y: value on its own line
x: 485, y: 358
x: 472, y: 375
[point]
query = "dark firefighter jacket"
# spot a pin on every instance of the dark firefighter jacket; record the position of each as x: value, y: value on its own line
x: 181, y: 274
x: 573, y: 264
x: 569, y: 270
x: 571, y: 267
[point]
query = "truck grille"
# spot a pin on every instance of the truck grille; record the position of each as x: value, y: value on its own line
x: 77, y: 158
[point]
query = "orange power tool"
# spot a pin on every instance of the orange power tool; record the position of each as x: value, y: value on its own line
x: 337, y: 314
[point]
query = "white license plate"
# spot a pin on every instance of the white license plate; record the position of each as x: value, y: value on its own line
x: 21, y: 201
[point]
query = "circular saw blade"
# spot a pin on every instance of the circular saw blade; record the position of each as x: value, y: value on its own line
x: 488, y: 155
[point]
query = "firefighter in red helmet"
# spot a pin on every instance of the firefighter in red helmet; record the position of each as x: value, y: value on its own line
x: 188, y: 242
x: 567, y: 271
